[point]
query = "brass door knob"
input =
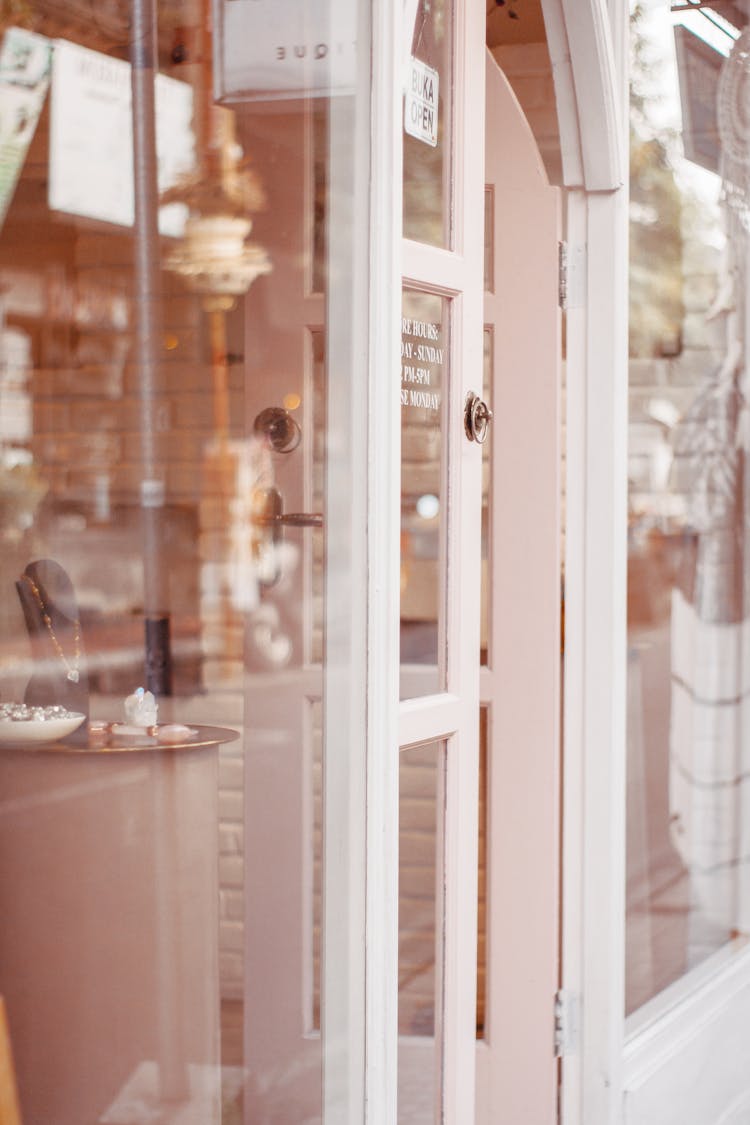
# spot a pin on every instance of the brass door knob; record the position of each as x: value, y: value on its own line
x: 477, y: 418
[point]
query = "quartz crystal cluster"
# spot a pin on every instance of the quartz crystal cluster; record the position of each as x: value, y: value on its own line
x: 22, y: 713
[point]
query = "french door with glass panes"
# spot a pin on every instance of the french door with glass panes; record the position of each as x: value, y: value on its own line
x: 441, y: 466
x: 460, y: 342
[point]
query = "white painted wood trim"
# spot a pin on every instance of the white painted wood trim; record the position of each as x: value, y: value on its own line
x: 572, y: 1093
x: 596, y: 568
x: 428, y: 718
x: 595, y: 676
x: 353, y: 1021
x: 448, y: 272
x: 596, y: 83
x: 383, y: 581
x: 565, y: 93
x: 682, y: 1009
x: 586, y: 88
x: 460, y: 936
x: 689, y: 1061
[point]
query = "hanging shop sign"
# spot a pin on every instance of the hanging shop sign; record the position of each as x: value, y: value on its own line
x: 274, y: 49
x: 698, y: 65
x: 421, y: 102
x: 91, y: 138
x: 24, y: 81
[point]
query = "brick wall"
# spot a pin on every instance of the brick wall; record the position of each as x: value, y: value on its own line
x: 529, y: 70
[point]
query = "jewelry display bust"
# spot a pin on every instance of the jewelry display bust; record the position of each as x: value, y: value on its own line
x: 51, y: 613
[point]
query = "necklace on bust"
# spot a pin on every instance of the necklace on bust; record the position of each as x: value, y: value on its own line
x: 71, y: 670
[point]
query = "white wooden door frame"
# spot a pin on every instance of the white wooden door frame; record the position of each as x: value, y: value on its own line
x: 615, y: 1072
x: 384, y: 562
x: 361, y: 978
x: 586, y: 43
x: 452, y: 715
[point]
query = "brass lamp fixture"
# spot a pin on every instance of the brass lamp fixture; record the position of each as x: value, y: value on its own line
x: 213, y: 256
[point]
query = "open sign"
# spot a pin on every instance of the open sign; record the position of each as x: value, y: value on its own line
x: 421, y: 102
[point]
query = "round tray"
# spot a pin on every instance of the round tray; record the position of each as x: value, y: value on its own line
x: 107, y: 742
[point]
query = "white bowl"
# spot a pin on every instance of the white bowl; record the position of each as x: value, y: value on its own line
x: 16, y: 733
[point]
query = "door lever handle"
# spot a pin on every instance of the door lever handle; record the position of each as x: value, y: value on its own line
x: 269, y: 512
x: 296, y: 519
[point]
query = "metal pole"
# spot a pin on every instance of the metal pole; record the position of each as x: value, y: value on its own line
x: 144, y: 59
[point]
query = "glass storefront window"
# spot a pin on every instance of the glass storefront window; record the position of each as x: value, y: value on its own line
x: 167, y: 176
x: 688, y: 811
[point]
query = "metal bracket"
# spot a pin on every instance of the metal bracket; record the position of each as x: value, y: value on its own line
x: 571, y: 276
x: 566, y: 1022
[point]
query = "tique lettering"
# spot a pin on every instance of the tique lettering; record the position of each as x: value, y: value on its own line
x: 317, y: 51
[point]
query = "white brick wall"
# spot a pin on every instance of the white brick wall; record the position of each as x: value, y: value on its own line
x: 231, y: 869
x: 529, y: 70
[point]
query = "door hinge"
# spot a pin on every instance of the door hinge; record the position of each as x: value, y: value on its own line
x: 566, y: 1022
x: 571, y: 275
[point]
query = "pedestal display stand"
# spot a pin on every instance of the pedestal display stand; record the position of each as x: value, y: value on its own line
x: 109, y: 891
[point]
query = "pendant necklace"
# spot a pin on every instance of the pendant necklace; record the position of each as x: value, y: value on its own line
x: 71, y: 670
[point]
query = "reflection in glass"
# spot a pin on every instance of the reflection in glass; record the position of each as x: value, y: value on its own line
x: 424, y: 359
x: 484, y: 720
x: 148, y: 323
x: 489, y: 238
x: 421, y: 905
x: 485, y: 610
x: 688, y: 811
x: 427, y: 171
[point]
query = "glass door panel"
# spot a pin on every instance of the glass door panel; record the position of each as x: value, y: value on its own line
x: 167, y: 369
x: 424, y: 396
x: 428, y: 122
x: 421, y: 922
x: 441, y: 520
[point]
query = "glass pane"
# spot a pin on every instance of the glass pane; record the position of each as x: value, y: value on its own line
x: 485, y: 623
x: 484, y: 719
x: 166, y: 371
x: 688, y: 813
x: 421, y: 906
x: 428, y: 122
x: 489, y: 238
x: 424, y: 352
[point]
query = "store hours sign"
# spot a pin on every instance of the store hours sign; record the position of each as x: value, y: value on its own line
x: 422, y: 358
